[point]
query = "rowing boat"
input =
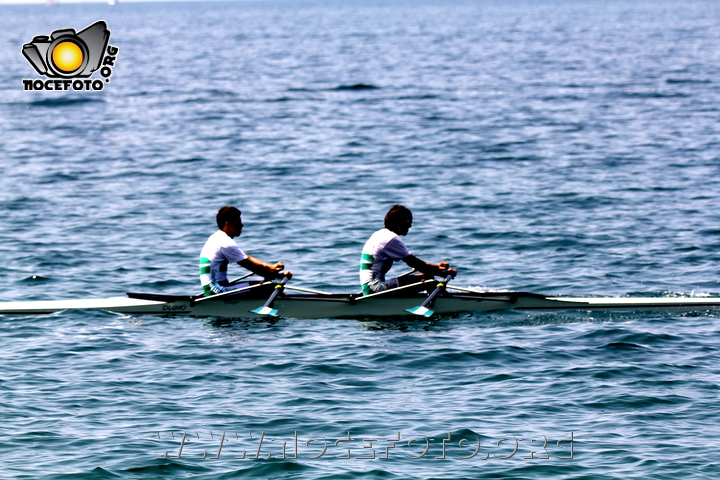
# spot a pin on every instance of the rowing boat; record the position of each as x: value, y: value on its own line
x: 452, y: 300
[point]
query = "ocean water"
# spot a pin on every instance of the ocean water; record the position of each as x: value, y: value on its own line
x: 555, y: 146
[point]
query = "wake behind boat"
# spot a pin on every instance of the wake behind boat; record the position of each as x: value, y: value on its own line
x: 312, y: 304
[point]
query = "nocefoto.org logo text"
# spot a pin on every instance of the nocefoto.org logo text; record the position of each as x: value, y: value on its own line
x: 68, y: 58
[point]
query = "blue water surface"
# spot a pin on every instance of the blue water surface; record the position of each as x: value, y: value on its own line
x: 555, y: 146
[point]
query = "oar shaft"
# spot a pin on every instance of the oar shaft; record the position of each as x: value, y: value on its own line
x: 439, y: 288
x: 267, y: 308
x: 241, y: 278
x: 393, y: 291
x: 308, y: 290
x: 410, y: 272
x: 465, y: 289
x: 278, y: 288
x: 231, y: 292
x: 422, y: 309
x: 232, y: 282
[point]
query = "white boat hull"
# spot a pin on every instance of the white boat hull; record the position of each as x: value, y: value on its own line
x: 347, y: 306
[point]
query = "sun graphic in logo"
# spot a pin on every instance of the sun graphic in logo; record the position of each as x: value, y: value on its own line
x: 67, y: 56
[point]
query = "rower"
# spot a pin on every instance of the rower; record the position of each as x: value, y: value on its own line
x: 385, y: 247
x: 220, y: 249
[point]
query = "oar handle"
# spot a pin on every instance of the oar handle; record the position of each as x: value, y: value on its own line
x: 241, y: 278
x: 407, y: 273
x: 449, y: 275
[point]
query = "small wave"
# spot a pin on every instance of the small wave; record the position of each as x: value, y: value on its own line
x: 165, y: 469
x: 428, y: 96
x: 63, y: 102
x: 685, y: 80
x: 181, y: 161
x: 97, y: 473
x: 32, y: 279
x: 642, y: 95
x: 622, y: 346
x: 23, y: 203
x: 357, y: 86
x: 279, y: 99
x: 58, y: 177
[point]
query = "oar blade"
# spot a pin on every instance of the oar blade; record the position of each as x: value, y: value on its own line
x: 420, y: 310
x: 267, y: 308
x: 265, y: 311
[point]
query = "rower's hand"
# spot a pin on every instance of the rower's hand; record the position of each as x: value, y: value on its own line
x: 446, y: 267
x: 277, y: 275
x: 277, y: 271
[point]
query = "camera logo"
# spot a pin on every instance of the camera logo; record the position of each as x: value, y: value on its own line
x: 70, y: 56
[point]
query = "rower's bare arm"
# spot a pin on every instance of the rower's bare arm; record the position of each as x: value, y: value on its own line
x: 263, y: 269
x: 442, y: 268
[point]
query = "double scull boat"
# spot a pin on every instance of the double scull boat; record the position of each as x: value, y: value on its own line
x: 310, y: 304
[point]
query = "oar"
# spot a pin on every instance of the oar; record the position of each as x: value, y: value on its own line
x: 232, y: 282
x: 407, y: 273
x: 241, y: 278
x: 308, y: 290
x: 393, y: 291
x: 230, y: 292
x: 422, y: 309
x: 267, y: 308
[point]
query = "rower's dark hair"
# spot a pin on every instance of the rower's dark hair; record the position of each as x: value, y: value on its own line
x: 227, y: 214
x: 396, y: 216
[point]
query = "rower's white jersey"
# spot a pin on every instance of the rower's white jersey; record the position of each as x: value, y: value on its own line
x: 381, y: 250
x: 218, y: 252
